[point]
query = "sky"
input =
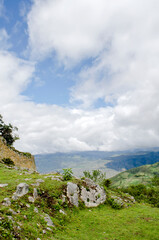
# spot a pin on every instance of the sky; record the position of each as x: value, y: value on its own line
x: 80, y: 75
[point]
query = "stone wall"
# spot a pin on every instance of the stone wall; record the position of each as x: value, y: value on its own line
x: 19, y: 159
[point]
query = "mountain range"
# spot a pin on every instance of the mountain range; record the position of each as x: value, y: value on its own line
x: 110, y: 162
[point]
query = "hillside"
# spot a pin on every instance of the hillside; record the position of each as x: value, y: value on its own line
x: 134, y: 176
x: 110, y: 162
x: 43, y: 206
x: 19, y: 159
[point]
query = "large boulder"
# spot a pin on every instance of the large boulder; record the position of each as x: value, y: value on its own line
x: 92, y: 194
x: 72, y: 193
x: 22, y: 189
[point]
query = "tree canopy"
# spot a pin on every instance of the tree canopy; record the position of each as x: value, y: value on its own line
x: 7, y: 132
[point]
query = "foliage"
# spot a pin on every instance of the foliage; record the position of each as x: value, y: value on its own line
x: 114, y: 203
x: 6, y: 131
x: 8, y: 161
x: 67, y: 174
x: 107, y: 183
x: 142, y: 193
x: 96, y: 175
x: 155, y: 180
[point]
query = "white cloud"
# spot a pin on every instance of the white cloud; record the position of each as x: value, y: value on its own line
x: 122, y: 37
x: 4, y: 37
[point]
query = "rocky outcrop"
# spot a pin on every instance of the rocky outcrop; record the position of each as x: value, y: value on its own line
x: 20, y: 159
x: 73, y: 193
x: 90, y: 193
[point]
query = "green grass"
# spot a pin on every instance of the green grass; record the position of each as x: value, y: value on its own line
x: 137, y: 222
x: 134, y: 176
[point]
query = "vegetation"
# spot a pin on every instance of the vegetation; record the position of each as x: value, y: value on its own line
x: 25, y: 220
x: 134, y: 176
x: 97, y: 176
x: 8, y: 161
x: 136, y: 223
x: 67, y: 174
x: 7, y: 132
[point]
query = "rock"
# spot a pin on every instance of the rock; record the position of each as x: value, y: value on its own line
x: 93, y: 196
x: 12, y: 211
x: 63, y: 198
x: 11, y: 218
x: 6, y: 202
x: 22, y: 189
x: 49, y: 229
x: 36, y: 210
x: 61, y: 211
x: 72, y: 193
x: 90, y: 183
x: 49, y: 221
x: 3, y: 185
x: 31, y: 199
x: 40, y: 180
x: 56, y: 179
x: 35, y: 193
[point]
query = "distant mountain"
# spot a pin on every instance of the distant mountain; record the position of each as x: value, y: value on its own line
x: 131, y: 160
x: 110, y: 162
x: 78, y: 161
x: 142, y: 174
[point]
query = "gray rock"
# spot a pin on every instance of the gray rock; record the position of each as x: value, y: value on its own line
x: 3, y: 185
x: 6, y: 202
x: 22, y: 189
x: 31, y: 199
x: 40, y: 180
x: 12, y: 211
x: 49, y: 221
x: 72, y: 193
x: 93, y: 195
x: 35, y: 193
x: 63, y: 198
x: 49, y: 229
x: 61, y: 211
x: 36, y: 210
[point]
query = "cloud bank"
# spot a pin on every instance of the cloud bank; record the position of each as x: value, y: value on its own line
x: 120, y: 39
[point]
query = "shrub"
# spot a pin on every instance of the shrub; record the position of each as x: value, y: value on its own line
x: 67, y: 174
x: 97, y: 176
x: 8, y: 161
x: 107, y: 183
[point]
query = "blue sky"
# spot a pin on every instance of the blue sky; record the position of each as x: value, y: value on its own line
x: 80, y: 74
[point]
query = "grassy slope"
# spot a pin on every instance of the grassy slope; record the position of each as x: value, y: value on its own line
x: 137, y: 222
x: 135, y: 176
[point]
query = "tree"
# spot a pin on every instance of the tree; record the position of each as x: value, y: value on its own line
x: 7, y: 132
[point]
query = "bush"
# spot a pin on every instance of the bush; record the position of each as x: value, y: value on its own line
x: 97, y: 176
x: 67, y: 174
x: 148, y: 194
x: 107, y: 183
x: 8, y: 161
